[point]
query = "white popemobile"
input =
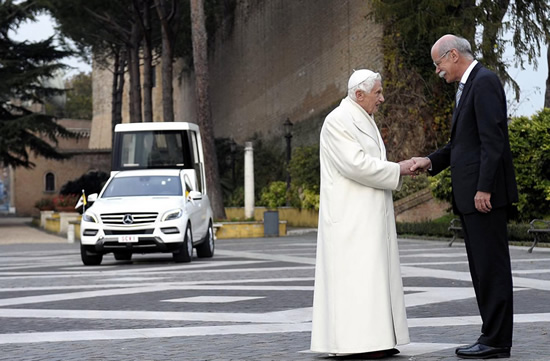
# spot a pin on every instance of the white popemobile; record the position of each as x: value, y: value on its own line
x: 155, y: 200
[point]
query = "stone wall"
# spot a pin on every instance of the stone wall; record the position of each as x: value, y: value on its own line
x: 288, y: 59
x: 271, y: 60
x: 420, y: 206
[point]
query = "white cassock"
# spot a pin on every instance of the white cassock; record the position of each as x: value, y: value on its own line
x: 358, y: 303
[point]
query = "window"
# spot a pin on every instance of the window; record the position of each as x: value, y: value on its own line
x: 152, y: 149
x: 49, y: 181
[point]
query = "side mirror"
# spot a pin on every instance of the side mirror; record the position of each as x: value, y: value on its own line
x: 92, y: 197
x: 194, y: 195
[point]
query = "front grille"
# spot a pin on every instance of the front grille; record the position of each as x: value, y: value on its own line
x: 137, y: 218
x: 128, y: 231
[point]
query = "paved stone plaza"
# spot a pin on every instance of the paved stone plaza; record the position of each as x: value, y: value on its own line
x: 252, y: 301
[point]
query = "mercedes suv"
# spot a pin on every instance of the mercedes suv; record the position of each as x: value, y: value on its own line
x: 148, y: 210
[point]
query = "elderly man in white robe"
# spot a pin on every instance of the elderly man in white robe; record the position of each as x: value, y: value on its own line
x: 358, y: 305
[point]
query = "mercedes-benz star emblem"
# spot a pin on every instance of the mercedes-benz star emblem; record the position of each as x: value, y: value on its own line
x: 128, y: 219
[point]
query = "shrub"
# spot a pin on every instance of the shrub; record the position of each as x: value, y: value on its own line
x: 441, y: 186
x: 530, y: 143
x: 517, y: 232
x: 274, y: 195
x: 68, y: 200
x: 44, y: 204
x: 427, y: 228
x: 305, y: 167
x: 91, y: 182
x: 235, y: 198
x: 310, y: 199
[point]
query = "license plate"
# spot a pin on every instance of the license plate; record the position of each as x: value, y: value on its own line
x: 128, y: 239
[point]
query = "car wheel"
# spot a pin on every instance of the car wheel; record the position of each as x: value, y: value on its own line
x: 123, y: 256
x: 90, y: 258
x: 206, y: 248
x: 185, y: 252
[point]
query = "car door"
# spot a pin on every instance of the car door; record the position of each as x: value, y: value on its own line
x: 193, y: 205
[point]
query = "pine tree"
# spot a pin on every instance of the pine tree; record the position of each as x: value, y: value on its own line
x: 23, y: 68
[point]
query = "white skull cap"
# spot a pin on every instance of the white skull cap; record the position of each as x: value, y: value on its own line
x: 359, y: 76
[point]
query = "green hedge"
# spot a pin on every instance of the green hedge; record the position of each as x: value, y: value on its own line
x: 439, y: 228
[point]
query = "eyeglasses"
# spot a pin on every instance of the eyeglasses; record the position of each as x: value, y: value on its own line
x: 439, y: 61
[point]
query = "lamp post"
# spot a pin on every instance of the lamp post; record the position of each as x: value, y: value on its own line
x: 288, y: 135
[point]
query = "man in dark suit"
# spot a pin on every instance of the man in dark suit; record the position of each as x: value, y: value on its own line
x: 484, y: 188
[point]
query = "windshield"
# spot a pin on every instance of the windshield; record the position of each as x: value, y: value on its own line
x: 143, y: 186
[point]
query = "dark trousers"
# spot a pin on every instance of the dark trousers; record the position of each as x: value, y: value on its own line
x: 486, y: 242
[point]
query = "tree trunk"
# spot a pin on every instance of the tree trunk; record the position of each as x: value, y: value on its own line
x: 121, y: 83
x: 118, y: 88
x: 135, y: 79
x: 167, y: 56
x: 200, y: 62
x: 147, y: 60
x: 114, y: 90
x: 547, y: 92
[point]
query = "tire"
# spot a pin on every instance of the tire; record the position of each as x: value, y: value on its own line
x: 123, y: 256
x: 185, y: 252
x: 206, y: 248
x: 90, y: 258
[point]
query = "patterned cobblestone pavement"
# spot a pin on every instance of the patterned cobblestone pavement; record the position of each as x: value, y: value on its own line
x: 252, y: 301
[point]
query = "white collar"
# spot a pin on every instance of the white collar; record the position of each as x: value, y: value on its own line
x: 467, y: 72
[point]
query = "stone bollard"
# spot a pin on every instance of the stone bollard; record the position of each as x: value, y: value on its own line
x: 70, y: 233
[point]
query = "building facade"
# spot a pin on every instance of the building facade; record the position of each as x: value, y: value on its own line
x: 48, y: 176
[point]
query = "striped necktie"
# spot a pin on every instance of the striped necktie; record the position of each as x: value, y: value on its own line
x: 459, y: 93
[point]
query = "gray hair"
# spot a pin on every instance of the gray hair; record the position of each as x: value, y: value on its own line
x: 456, y: 42
x: 366, y: 85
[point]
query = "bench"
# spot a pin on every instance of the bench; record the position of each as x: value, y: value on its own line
x: 539, y: 229
x: 456, y: 228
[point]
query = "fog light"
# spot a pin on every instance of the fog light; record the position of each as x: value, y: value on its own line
x: 90, y: 232
x: 170, y: 230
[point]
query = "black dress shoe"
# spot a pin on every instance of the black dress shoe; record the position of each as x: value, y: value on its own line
x: 481, y: 351
x: 460, y: 348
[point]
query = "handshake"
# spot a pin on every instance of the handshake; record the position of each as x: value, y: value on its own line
x: 414, y: 166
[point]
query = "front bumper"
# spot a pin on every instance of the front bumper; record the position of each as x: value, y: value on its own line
x: 165, y: 237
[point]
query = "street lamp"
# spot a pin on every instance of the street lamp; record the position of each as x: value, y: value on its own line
x: 288, y: 135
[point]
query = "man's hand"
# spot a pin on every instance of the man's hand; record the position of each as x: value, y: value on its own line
x: 405, y: 167
x: 483, y: 202
x: 420, y: 164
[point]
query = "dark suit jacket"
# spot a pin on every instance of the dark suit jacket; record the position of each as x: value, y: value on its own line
x: 479, y: 150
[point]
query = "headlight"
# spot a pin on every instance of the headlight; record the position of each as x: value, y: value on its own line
x: 89, y: 217
x: 173, y: 214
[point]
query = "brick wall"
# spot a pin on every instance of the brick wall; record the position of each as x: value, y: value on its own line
x: 29, y: 184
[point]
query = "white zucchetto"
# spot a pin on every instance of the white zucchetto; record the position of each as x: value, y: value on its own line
x: 359, y: 76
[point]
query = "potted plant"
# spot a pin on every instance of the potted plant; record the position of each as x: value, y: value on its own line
x: 44, y: 204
